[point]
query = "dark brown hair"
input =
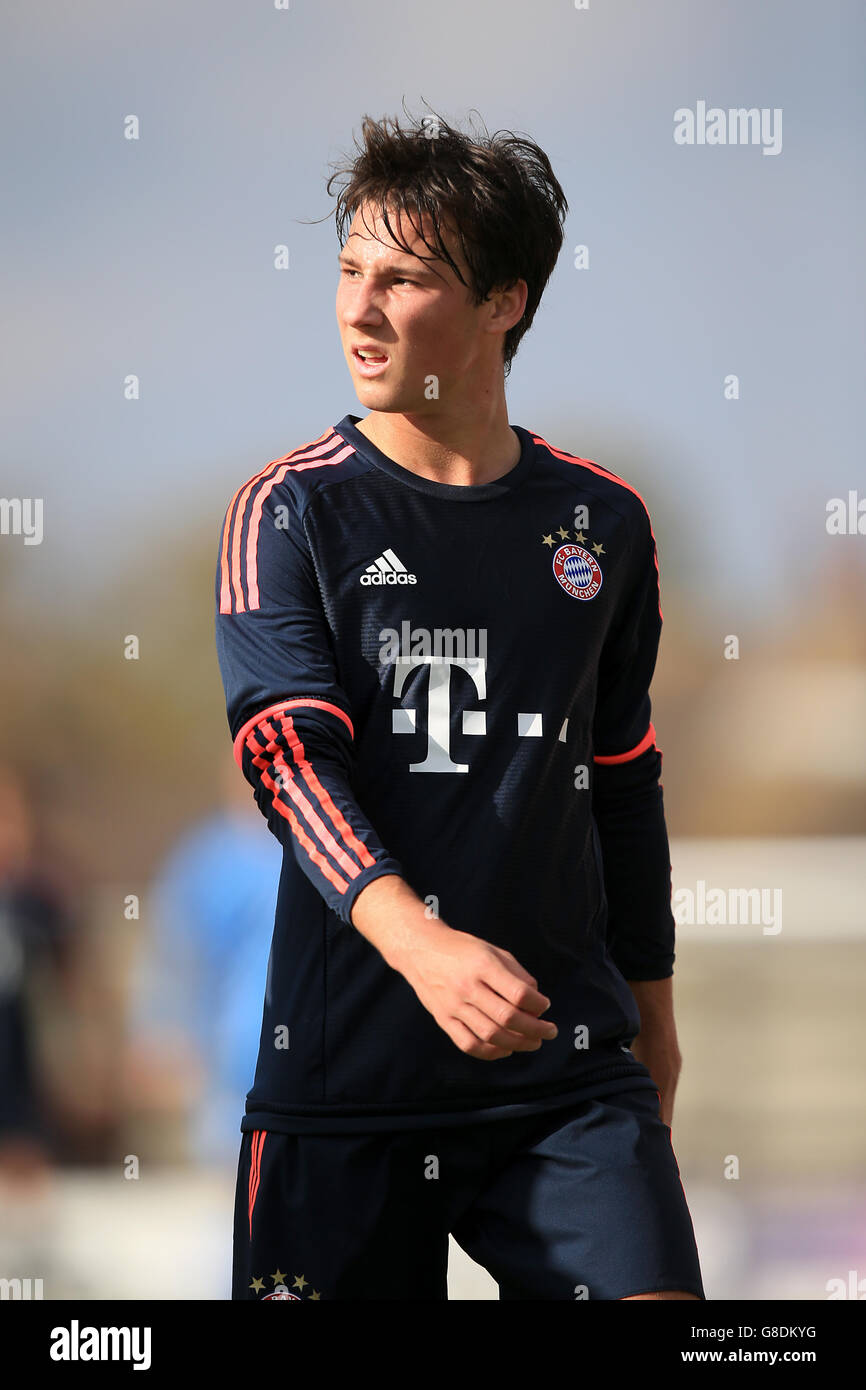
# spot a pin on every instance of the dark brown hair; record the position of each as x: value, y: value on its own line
x: 498, y: 192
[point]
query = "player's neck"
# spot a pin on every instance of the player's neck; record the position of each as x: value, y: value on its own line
x: 464, y: 451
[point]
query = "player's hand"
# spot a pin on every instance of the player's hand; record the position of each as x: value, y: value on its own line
x: 479, y: 994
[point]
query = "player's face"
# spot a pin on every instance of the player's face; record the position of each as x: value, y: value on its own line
x: 415, y: 315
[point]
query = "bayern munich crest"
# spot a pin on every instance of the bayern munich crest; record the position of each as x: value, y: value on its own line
x: 577, y: 571
x: 281, y: 1292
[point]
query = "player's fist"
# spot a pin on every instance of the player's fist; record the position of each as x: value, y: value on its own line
x: 479, y: 994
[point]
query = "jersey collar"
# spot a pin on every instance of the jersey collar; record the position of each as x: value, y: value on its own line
x: 480, y: 492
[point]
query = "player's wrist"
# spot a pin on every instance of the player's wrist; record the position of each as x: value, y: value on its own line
x: 391, y: 916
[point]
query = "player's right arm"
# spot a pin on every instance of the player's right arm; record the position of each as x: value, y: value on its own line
x: 290, y: 721
x: 293, y: 736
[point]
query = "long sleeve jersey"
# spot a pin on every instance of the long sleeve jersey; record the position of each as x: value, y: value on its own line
x: 449, y: 683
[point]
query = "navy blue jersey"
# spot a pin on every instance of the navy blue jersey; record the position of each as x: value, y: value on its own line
x: 451, y: 684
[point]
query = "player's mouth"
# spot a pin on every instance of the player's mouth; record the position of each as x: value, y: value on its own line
x: 370, y: 362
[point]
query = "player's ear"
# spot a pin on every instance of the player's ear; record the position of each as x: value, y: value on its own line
x: 506, y: 306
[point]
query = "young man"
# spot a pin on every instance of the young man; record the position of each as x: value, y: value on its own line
x: 436, y: 634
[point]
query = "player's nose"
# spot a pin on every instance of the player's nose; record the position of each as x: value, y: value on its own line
x: 360, y: 307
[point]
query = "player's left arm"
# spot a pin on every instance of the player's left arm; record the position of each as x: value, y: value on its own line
x: 628, y: 807
x: 656, y: 1044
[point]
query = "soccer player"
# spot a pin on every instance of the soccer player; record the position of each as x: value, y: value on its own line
x: 436, y: 633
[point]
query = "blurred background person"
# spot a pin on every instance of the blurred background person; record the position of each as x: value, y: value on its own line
x: 34, y: 933
x: 197, y: 997
x: 38, y: 943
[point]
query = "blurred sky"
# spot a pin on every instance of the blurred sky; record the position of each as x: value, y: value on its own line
x: 156, y: 257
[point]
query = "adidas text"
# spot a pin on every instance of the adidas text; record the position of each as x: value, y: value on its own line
x: 388, y: 569
x: 394, y: 578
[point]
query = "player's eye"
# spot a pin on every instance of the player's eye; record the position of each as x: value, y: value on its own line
x: 396, y: 279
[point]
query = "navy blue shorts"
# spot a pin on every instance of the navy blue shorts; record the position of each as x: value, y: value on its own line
x: 583, y: 1202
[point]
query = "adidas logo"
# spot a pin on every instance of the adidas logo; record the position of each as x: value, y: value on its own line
x: 387, y: 569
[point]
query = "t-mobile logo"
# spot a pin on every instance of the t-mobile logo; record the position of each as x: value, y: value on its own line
x: 450, y: 654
